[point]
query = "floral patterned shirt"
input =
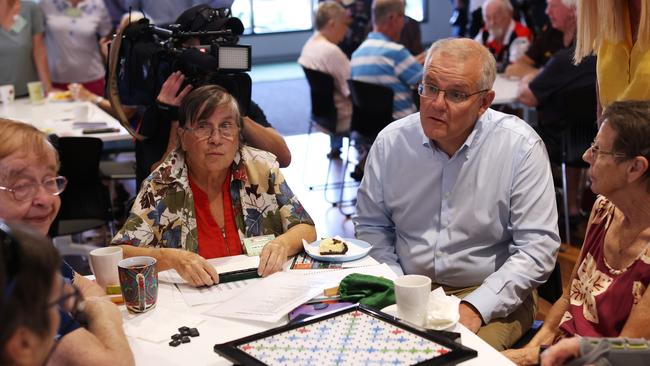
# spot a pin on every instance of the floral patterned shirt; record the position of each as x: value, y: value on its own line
x: 163, y: 214
x: 601, y: 297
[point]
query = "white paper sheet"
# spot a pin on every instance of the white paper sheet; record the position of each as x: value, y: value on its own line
x: 224, y: 264
x: 213, y: 294
x: 272, y: 298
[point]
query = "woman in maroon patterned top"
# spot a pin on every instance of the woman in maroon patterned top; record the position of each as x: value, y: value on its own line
x: 607, y: 295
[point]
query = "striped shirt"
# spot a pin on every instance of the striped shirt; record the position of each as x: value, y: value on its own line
x: 381, y: 61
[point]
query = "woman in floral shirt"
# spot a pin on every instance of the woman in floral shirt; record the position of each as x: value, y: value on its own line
x: 210, y: 193
x: 607, y: 295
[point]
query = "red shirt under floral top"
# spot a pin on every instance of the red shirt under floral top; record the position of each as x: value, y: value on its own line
x: 602, y: 298
x: 212, y: 243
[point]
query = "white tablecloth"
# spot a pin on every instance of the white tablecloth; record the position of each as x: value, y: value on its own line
x: 218, y: 330
x: 505, y: 90
x: 58, y: 118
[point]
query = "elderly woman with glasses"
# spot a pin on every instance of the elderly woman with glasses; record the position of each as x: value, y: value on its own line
x: 607, y: 295
x: 29, y: 194
x: 212, y: 193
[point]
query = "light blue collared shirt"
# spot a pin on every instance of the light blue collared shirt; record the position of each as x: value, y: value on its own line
x: 485, y: 216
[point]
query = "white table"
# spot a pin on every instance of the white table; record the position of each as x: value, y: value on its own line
x: 505, y: 90
x: 219, y: 330
x: 58, y: 118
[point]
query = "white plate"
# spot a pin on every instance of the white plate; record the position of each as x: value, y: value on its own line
x: 392, y: 311
x: 356, y: 249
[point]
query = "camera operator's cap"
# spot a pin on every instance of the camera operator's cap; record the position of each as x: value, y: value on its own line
x: 204, y: 18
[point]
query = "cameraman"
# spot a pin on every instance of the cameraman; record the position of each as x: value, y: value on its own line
x: 161, y: 120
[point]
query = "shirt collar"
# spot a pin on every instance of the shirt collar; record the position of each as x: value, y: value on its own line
x: 238, y: 168
x: 471, y: 141
x: 173, y: 169
x: 378, y: 35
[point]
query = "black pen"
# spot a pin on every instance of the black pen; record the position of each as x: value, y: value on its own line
x: 244, y: 274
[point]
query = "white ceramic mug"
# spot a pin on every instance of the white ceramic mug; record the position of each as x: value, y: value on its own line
x: 103, y: 263
x: 7, y: 94
x: 412, y: 295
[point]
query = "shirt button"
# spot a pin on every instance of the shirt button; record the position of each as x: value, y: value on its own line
x: 446, y: 194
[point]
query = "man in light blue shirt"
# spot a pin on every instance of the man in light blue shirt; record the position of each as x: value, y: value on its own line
x: 381, y: 60
x: 464, y: 194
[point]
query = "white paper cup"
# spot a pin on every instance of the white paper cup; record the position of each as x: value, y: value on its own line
x: 103, y: 263
x: 7, y: 94
x: 81, y: 113
x: 412, y: 295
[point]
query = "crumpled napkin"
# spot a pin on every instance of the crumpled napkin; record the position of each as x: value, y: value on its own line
x: 158, y: 324
x: 442, y: 310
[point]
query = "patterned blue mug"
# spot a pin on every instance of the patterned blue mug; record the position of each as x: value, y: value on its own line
x: 139, y: 283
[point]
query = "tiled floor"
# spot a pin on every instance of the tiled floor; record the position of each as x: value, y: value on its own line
x: 308, y: 168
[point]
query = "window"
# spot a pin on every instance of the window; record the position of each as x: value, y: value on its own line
x: 274, y: 16
x: 415, y: 9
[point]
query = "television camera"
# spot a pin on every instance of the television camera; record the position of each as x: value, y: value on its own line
x: 203, y: 46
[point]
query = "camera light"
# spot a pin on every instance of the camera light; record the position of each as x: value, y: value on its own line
x: 233, y: 57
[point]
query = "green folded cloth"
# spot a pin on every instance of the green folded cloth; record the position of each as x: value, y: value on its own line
x: 376, y: 292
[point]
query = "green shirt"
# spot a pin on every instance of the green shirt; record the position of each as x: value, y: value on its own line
x: 17, y: 65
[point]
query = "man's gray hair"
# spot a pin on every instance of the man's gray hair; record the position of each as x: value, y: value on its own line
x: 462, y: 50
x: 382, y: 9
x: 505, y: 5
x: 328, y: 10
x: 570, y: 3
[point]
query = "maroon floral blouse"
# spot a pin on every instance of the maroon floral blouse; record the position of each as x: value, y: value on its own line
x: 602, y: 298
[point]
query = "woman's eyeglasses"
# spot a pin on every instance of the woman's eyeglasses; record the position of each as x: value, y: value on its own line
x: 70, y: 299
x: 204, y: 130
x: 25, y: 192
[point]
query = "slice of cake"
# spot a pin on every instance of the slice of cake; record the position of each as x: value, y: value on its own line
x: 332, y: 246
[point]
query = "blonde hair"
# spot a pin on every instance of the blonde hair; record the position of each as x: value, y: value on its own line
x: 604, y: 20
x: 17, y: 136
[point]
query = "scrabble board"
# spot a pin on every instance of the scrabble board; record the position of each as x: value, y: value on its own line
x: 350, y: 337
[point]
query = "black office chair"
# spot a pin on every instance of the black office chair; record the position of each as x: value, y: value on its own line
x: 85, y: 203
x: 372, y: 108
x: 324, y: 115
x: 323, y: 110
x: 580, y: 107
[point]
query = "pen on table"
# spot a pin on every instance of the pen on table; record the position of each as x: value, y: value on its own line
x: 245, y: 274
